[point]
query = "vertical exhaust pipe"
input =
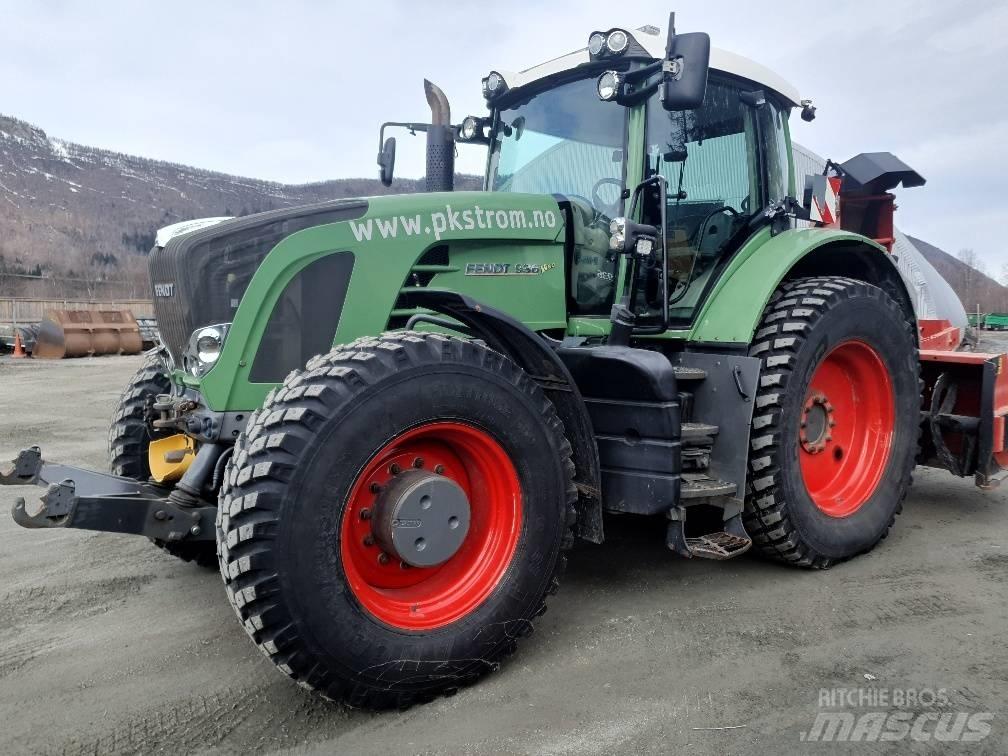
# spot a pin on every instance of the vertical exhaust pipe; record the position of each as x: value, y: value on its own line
x: 440, y: 141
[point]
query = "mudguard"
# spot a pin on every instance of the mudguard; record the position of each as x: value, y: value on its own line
x: 733, y: 309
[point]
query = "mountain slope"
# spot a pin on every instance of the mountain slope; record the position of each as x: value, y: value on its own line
x: 85, y: 218
x: 973, y: 287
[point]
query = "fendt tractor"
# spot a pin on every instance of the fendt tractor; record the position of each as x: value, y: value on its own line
x: 387, y: 418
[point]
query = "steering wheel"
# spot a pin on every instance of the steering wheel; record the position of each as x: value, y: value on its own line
x: 599, y: 203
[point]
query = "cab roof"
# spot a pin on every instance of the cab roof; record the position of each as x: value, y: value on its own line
x: 653, y: 40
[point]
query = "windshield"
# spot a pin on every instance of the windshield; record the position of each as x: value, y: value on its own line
x: 566, y: 141
x: 562, y: 141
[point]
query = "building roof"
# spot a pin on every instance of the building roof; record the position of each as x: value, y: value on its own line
x: 654, y: 43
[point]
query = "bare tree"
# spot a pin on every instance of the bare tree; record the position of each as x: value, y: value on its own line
x: 1004, y: 274
x: 973, y: 273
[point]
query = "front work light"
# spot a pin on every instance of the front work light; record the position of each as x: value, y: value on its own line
x: 469, y: 128
x: 608, y: 44
x: 644, y: 246
x: 617, y: 41
x: 609, y: 85
x: 494, y: 85
x: 617, y: 229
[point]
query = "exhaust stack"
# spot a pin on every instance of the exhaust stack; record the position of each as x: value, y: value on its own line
x: 440, y: 141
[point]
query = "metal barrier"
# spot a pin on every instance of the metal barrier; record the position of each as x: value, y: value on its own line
x: 27, y: 310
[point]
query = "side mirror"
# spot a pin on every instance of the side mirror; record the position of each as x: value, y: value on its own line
x: 687, y: 59
x: 386, y: 161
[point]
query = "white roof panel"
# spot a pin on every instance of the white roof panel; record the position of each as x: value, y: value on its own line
x: 720, y: 60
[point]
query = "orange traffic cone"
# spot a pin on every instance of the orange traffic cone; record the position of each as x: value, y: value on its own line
x: 19, y: 351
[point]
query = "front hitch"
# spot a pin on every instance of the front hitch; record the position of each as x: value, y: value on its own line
x: 88, y: 500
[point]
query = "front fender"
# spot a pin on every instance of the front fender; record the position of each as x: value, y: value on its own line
x: 735, y: 306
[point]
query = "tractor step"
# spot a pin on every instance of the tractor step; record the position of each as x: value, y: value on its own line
x: 698, y: 434
x: 700, y: 486
x: 731, y: 542
x: 689, y: 373
x: 718, y: 545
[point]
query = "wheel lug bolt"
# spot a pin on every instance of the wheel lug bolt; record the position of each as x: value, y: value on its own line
x: 418, y: 462
x: 365, y: 514
x: 394, y: 469
x: 369, y: 540
x: 376, y: 488
x: 383, y: 558
x: 439, y: 469
x: 403, y: 566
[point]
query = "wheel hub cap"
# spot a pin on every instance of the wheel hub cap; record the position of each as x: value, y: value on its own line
x: 421, y: 518
x: 817, y: 422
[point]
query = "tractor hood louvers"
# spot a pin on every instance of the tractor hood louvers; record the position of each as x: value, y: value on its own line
x: 199, y: 278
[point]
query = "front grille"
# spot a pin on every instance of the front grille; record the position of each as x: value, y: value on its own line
x: 207, y: 271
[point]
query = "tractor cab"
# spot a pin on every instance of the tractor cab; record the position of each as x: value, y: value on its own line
x: 702, y: 134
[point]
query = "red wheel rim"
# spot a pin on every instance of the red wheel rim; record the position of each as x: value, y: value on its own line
x: 422, y: 598
x: 847, y: 427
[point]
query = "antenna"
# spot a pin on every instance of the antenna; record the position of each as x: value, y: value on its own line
x: 670, y: 35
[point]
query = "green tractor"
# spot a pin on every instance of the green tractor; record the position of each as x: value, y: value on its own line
x: 387, y: 418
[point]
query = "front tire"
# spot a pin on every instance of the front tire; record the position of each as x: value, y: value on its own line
x: 130, y: 434
x: 304, y: 537
x: 835, y: 429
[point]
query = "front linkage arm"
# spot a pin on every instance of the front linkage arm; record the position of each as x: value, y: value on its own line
x: 78, y: 498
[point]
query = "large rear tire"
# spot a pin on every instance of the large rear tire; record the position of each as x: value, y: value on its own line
x: 130, y: 434
x: 836, y: 424
x: 307, y: 532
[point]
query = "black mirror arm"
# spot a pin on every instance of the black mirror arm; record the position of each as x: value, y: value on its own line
x: 623, y: 317
x: 776, y: 213
x: 412, y: 128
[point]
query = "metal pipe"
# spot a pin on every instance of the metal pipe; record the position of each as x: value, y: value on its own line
x: 440, y: 141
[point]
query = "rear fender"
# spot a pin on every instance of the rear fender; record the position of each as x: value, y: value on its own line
x: 734, y: 308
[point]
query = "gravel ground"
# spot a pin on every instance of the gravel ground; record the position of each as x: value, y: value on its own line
x: 109, y: 646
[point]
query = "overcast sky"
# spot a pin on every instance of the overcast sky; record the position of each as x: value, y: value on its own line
x: 295, y: 91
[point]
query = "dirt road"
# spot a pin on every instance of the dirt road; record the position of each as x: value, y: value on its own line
x: 109, y: 646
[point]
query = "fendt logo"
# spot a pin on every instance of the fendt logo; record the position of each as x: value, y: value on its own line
x: 164, y: 290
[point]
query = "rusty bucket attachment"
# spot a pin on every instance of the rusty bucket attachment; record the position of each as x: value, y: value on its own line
x: 80, y: 333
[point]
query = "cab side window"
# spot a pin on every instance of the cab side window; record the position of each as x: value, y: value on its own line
x: 709, y: 158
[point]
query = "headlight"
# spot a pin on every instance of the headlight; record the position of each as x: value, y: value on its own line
x: 204, y: 348
x: 595, y: 43
x: 608, y: 85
